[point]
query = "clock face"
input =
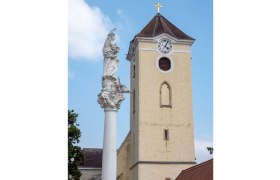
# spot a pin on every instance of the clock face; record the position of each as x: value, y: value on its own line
x: 165, y: 46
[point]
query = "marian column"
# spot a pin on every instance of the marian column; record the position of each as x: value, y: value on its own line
x: 110, y: 98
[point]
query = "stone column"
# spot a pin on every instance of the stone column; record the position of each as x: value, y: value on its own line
x: 110, y: 98
x: 109, y: 158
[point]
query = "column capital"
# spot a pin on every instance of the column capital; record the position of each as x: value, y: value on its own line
x: 112, y: 93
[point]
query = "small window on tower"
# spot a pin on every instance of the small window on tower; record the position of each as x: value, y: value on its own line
x: 167, y: 178
x: 133, y: 103
x: 166, y: 134
x: 164, y: 64
x: 134, y: 71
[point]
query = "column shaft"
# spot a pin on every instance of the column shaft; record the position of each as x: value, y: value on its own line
x: 109, y: 158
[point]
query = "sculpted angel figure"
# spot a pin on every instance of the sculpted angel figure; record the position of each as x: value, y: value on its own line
x: 110, y: 51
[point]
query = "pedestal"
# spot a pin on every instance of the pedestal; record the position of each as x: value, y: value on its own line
x: 109, y: 158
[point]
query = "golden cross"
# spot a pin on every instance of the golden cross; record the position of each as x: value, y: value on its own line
x: 158, y: 6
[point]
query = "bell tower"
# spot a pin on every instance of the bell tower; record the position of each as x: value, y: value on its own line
x: 161, y: 115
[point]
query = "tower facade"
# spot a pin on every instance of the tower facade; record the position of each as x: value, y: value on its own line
x: 161, y: 116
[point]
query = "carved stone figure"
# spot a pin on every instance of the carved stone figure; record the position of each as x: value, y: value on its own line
x: 110, y: 52
x: 112, y: 93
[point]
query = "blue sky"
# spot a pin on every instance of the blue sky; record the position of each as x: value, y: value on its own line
x: 89, y: 23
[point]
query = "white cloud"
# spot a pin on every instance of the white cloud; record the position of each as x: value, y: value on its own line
x: 201, y: 150
x: 87, y: 30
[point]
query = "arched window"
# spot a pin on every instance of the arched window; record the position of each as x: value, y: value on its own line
x: 165, y: 95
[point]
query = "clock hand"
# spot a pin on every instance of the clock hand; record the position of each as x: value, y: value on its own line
x: 165, y: 44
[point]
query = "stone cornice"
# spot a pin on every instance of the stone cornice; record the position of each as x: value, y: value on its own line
x: 162, y: 162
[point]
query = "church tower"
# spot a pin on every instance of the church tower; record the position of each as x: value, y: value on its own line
x: 161, y: 115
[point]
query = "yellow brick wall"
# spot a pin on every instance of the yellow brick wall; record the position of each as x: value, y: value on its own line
x: 123, y: 160
x: 150, y: 119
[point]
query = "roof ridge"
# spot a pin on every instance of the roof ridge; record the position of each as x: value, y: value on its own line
x: 156, y: 23
x: 162, y: 22
x: 177, y: 28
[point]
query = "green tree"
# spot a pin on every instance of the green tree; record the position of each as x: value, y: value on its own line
x: 75, y: 155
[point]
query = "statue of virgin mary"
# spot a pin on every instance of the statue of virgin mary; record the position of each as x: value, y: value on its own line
x: 110, y: 51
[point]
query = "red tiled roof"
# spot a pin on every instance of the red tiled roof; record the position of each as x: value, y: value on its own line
x: 203, y: 171
x: 159, y: 25
x: 92, y: 157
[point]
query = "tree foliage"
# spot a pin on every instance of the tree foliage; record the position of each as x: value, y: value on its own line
x: 75, y: 155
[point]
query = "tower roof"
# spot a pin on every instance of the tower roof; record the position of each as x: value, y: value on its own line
x: 159, y: 25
